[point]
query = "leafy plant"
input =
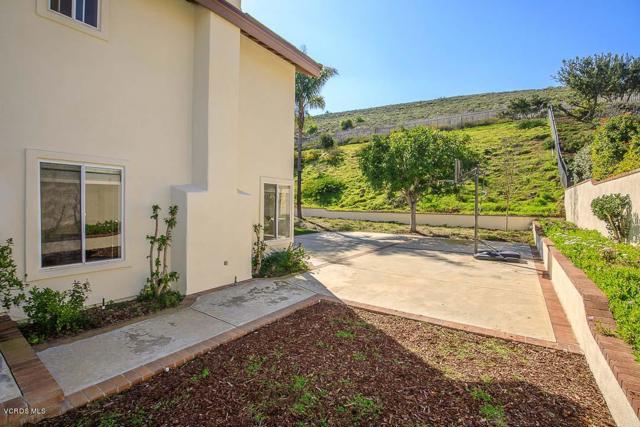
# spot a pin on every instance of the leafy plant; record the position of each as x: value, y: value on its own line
x: 616, y: 147
x: 11, y: 287
x: 359, y: 119
x: 50, y: 311
x: 530, y: 124
x: 346, y: 124
x: 615, y: 211
x: 259, y: 248
x: 526, y: 107
x: 160, y: 278
x: 283, y: 262
x: 412, y: 162
x: 326, y: 141
x: 323, y: 189
x: 582, y: 164
x: 108, y: 227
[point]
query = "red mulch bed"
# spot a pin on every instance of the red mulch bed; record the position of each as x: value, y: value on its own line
x: 333, y: 365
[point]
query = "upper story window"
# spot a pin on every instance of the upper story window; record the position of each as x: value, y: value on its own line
x: 85, y: 11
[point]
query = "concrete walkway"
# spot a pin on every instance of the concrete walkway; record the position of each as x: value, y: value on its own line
x: 86, y: 362
x: 423, y: 276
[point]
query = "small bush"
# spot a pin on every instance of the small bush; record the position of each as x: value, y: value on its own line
x: 324, y: 189
x: 312, y: 130
x: 530, y: 124
x: 288, y: 261
x: 346, y: 124
x: 616, y: 147
x: 11, y: 287
x: 166, y: 299
x: 326, y: 141
x: 615, y: 211
x: 52, y: 312
x: 581, y: 167
x: 332, y: 157
x: 310, y: 155
x: 359, y: 119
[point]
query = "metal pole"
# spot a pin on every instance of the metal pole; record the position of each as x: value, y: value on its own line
x: 475, y: 219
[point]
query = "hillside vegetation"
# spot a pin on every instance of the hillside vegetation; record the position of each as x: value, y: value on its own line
x: 398, y: 114
x: 332, y: 178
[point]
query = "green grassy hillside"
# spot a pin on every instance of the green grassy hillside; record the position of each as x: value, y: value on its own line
x: 401, y: 113
x: 332, y: 178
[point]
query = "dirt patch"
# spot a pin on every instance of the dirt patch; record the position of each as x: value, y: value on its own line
x: 333, y: 365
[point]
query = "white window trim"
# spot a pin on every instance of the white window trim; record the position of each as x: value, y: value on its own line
x: 278, y: 182
x: 33, y: 250
x: 102, y: 31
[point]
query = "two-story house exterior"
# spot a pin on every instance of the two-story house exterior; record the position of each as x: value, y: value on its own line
x: 108, y: 107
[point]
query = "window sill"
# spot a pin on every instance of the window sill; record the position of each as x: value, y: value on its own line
x: 75, y: 270
x: 42, y: 9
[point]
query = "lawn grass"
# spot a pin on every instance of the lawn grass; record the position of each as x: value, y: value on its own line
x: 536, y: 189
x: 315, y: 224
x: 397, y: 114
x: 613, y: 267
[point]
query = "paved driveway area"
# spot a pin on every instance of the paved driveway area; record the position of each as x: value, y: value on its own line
x: 431, y: 277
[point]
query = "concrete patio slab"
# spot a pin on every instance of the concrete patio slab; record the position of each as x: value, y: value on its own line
x: 82, y: 363
x: 245, y: 302
x: 333, y: 247
x: 8, y: 387
x: 435, y: 278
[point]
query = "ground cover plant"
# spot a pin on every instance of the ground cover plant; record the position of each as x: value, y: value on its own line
x: 537, y: 185
x: 316, y: 224
x: 278, y: 263
x: 613, y: 267
x: 332, y: 365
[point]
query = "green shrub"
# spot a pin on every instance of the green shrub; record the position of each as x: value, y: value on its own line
x: 346, y: 124
x: 324, y: 189
x: 616, y: 147
x: 11, y: 287
x: 52, y: 312
x: 530, y: 124
x: 312, y: 130
x: 617, y: 274
x: 108, y: 227
x: 166, y: 299
x: 326, y: 141
x: 287, y: 261
x: 310, y: 155
x: 359, y: 119
x: 615, y: 211
x: 332, y: 157
x: 581, y: 167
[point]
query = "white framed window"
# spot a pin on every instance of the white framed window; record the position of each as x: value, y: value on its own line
x: 277, y: 210
x: 84, y: 11
x: 81, y: 211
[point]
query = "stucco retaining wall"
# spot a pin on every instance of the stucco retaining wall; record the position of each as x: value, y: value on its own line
x: 577, y: 201
x: 493, y: 222
x: 610, y: 359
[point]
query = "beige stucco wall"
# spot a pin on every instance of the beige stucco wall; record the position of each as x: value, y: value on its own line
x: 492, y: 222
x: 577, y: 202
x: 126, y: 98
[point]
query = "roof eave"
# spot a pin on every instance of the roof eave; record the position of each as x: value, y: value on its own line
x: 262, y: 35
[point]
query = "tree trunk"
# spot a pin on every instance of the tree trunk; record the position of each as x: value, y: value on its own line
x: 299, y: 169
x: 412, y: 205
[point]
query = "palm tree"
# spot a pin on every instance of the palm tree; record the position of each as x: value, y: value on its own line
x: 307, y: 97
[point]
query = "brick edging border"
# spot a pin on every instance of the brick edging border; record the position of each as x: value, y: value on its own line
x: 570, y: 347
x: 618, y: 354
x: 41, y: 395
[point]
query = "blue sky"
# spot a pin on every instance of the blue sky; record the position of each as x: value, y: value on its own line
x: 393, y: 51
